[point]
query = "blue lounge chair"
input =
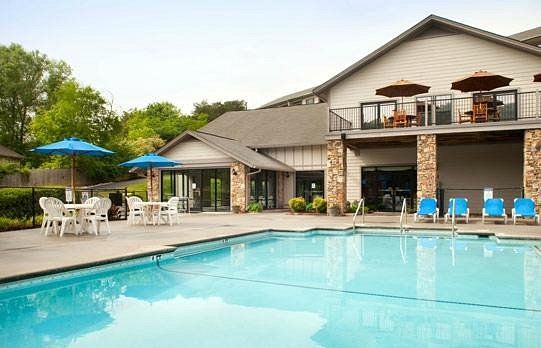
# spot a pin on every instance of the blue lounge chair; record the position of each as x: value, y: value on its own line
x: 461, y: 209
x: 428, y: 207
x: 524, y: 208
x: 493, y: 208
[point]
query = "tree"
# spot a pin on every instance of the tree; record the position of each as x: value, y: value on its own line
x: 150, y: 128
x: 80, y: 112
x: 28, y: 82
x: 214, y: 110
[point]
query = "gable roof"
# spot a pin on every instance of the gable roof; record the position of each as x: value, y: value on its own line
x: 283, y: 99
x: 275, y: 127
x: 530, y: 36
x: 234, y: 149
x: 426, y: 23
x: 9, y: 153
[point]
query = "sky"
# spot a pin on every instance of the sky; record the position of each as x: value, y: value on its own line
x: 139, y: 52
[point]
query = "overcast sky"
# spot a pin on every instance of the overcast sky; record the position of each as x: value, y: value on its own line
x: 185, y: 51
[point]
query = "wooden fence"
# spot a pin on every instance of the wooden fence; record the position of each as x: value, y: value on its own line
x: 44, y: 177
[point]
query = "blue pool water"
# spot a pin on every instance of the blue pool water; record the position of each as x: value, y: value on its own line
x: 324, y: 289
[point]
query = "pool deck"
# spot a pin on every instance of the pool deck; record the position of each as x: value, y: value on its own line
x: 28, y: 253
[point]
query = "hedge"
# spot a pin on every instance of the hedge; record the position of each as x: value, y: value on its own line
x: 16, y: 203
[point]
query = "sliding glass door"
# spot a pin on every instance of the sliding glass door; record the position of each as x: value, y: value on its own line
x: 208, y: 189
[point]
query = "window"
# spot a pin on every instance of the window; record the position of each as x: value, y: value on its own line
x: 504, y: 101
x: 309, y: 100
x: 439, y: 108
x: 372, y: 114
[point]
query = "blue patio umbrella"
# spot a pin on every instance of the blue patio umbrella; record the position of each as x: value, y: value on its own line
x: 73, y: 147
x: 150, y: 161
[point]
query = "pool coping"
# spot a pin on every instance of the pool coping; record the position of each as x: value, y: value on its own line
x: 169, y: 248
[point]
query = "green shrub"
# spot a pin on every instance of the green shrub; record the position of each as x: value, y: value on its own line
x: 255, y: 207
x: 16, y: 203
x: 320, y: 205
x: 310, y: 207
x: 7, y: 224
x: 297, y: 204
x: 351, y: 207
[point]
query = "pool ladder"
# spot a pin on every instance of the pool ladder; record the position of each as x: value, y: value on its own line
x: 453, y: 220
x: 404, y: 217
x: 359, y: 207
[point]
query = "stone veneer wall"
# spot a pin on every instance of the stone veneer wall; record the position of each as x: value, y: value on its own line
x: 532, y: 166
x: 427, y: 166
x: 155, y: 184
x: 239, y: 187
x: 336, y: 174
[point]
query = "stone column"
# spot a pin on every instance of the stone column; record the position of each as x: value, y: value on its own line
x: 532, y: 166
x: 239, y: 186
x: 155, y: 177
x: 427, y: 166
x: 336, y: 174
x: 280, y: 186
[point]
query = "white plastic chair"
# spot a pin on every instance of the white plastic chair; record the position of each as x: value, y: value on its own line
x: 170, y: 211
x: 100, y: 210
x: 57, y: 213
x: 135, y: 210
x: 92, y: 200
x: 45, y: 221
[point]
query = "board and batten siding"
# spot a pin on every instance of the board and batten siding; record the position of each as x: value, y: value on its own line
x: 195, y: 151
x: 388, y: 156
x: 309, y: 157
x: 436, y: 62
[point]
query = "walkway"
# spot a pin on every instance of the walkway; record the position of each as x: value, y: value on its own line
x: 28, y: 253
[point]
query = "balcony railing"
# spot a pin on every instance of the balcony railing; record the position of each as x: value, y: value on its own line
x: 430, y: 111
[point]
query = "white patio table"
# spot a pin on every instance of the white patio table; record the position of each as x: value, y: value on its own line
x: 79, y: 210
x: 150, y: 207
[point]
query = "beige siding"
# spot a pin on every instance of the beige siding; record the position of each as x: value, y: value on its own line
x: 374, y: 157
x: 477, y: 166
x: 436, y: 62
x: 195, y: 151
x: 311, y: 157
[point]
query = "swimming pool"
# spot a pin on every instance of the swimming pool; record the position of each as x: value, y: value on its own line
x: 318, y: 289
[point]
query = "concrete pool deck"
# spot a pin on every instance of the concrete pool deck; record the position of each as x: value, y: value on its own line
x: 28, y: 253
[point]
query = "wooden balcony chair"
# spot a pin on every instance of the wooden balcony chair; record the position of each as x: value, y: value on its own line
x: 464, y: 117
x: 387, y: 122
x: 400, y: 119
x: 480, y: 112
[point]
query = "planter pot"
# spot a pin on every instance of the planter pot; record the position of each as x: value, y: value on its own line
x: 333, y: 211
x: 235, y: 209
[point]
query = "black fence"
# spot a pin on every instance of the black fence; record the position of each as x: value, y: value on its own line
x: 436, y: 110
x: 19, y: 206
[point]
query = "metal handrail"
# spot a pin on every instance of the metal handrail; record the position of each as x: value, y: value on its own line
x: 361, y: 205
x: 453, y: 221
x: 403, y: 216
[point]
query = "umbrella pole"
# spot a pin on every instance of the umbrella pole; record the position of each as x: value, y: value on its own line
x: 73, y: 177
x: 151, y: 185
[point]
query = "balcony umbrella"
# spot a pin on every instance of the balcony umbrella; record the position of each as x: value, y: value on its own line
x: 402, y: 88
x: 73, y: 147
x: 150, y: 161
x: 481, y: 80
x: 537, y: 78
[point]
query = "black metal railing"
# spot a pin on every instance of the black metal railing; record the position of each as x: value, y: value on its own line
x: 19, y: 205
x: 430, y: 111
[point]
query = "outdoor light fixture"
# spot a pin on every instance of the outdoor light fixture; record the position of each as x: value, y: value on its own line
x: 234, y: 172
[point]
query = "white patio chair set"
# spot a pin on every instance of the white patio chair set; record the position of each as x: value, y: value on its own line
x: 153, y: 212
x: 74, y: 218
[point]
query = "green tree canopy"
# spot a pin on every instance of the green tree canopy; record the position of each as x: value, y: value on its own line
x: 80, y: 112
x: 28, y: 82
x: 214, y: 110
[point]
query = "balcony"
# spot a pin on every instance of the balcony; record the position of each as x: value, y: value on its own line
x: 432, y: 111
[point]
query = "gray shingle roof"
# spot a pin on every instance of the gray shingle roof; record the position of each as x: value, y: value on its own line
x: 9, y: 153
x: 234, y: 149
x: 303, y: 93
x: 275, y: 127
x: 531, y: 36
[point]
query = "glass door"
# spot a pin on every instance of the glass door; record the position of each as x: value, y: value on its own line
x: 310, y: 185
x: 384, y: 188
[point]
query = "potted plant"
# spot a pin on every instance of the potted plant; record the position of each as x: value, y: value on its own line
x: 235, y: 209
x: 333, y: 210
